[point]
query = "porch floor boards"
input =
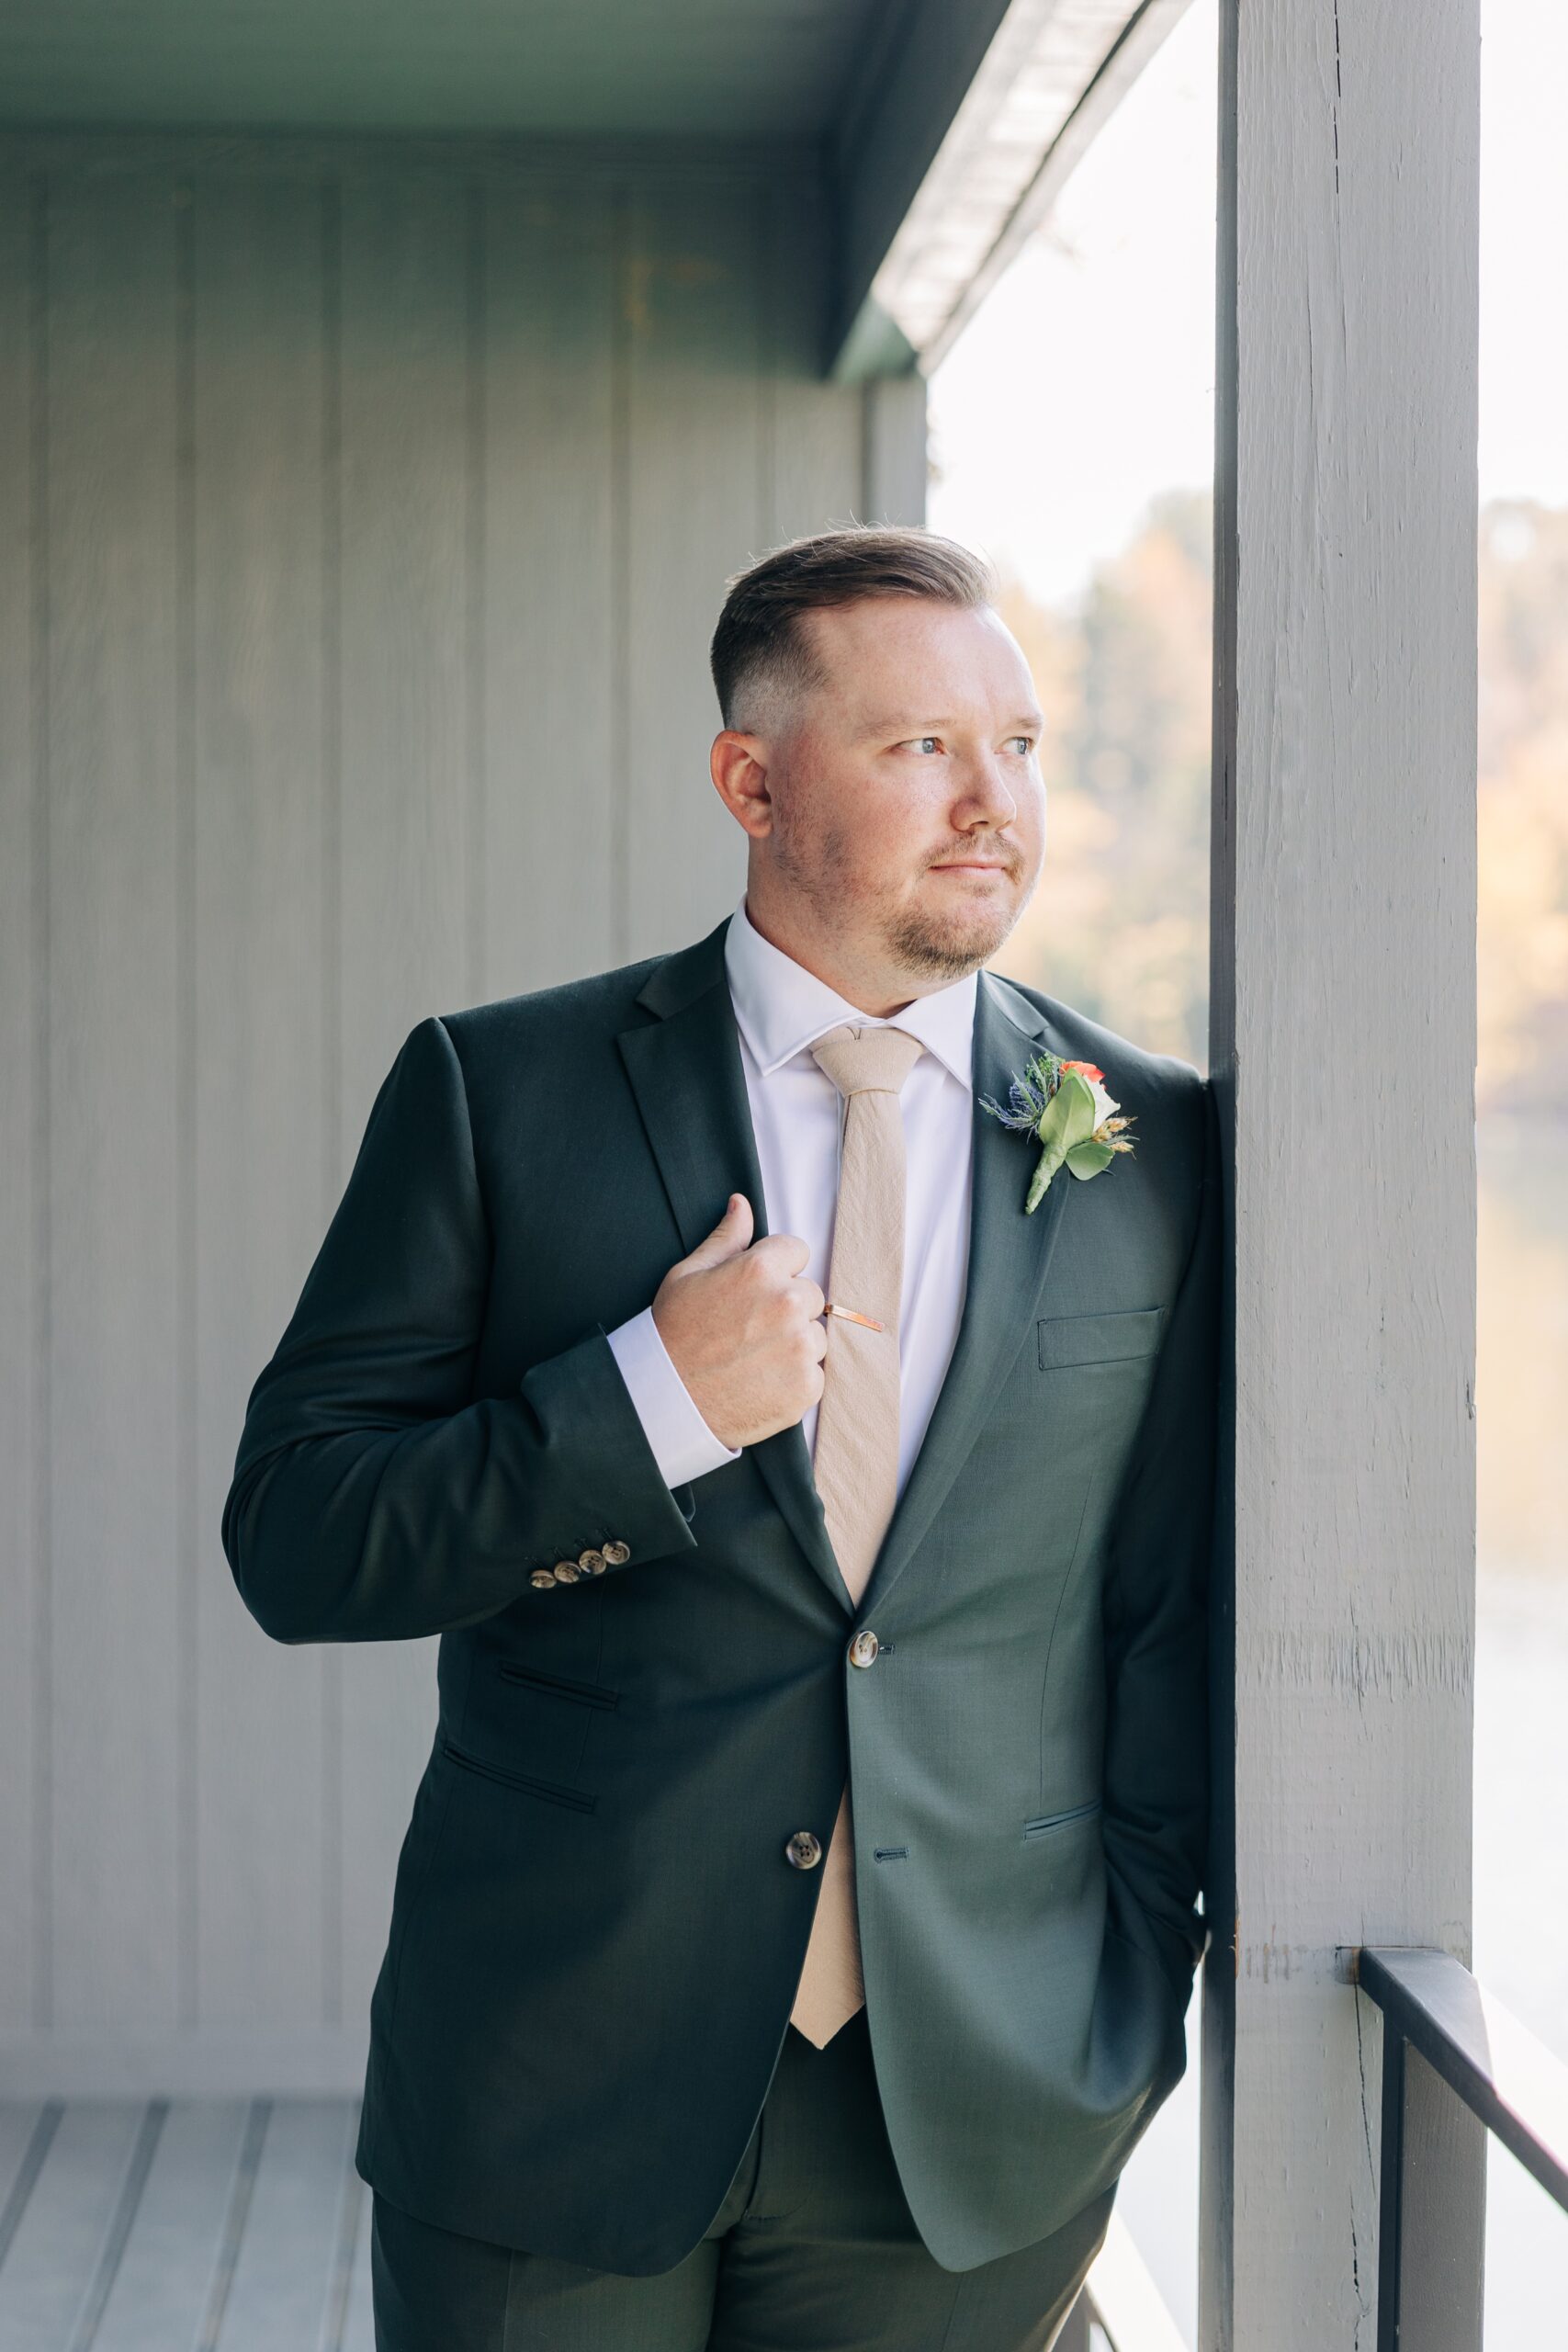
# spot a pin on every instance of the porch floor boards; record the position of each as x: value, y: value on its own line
x: 183, y: 2225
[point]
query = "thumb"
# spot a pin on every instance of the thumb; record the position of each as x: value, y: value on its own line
x: 729, y: 1236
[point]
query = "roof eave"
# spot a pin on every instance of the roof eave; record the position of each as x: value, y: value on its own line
x: 923, y: 241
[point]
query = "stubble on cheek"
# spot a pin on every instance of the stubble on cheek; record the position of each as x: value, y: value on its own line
x: 816, y: 855
x: 813, y: 856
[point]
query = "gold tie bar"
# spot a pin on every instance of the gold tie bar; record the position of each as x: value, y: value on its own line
x: 851, y: 1316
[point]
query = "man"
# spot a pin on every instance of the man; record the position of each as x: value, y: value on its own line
x: 794, y: 1926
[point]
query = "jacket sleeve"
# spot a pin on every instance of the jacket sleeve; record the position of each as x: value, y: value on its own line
x: 374, y: 1497
x: 1157, y: 1648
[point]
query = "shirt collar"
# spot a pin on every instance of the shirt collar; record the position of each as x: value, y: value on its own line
x: 781, y: 1008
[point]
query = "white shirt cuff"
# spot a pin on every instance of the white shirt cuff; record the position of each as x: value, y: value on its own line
x: 684, y: 1445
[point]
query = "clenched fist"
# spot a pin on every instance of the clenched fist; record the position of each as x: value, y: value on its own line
x: 742, y: 1326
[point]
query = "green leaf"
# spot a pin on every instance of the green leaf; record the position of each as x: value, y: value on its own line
x: 1087, y: 1159
x: 1068, y: 1117
x: 1065, y: 1125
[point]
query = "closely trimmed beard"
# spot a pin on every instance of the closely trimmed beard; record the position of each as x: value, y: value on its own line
x: 939, y: 949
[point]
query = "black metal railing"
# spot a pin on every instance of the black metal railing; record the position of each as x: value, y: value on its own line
x: 1440, y: 2023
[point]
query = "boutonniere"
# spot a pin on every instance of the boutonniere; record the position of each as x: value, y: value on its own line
x: 1065, y: 1104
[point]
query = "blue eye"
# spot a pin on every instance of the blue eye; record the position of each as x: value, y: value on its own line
x: 1024, y: 742
x: 934, y: 740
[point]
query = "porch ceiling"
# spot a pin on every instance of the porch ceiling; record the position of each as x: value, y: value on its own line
x: 945, y: 126
x: 726, y: 68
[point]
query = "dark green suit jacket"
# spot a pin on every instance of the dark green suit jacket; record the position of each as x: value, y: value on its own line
x: 595, y: 1935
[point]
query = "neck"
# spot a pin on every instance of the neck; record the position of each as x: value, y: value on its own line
x: 877, y: 993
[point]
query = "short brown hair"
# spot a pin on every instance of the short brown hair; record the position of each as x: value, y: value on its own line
x: 758, y: 643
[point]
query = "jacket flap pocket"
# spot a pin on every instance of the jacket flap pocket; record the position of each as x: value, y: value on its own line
x: 1048, y: 1820
x: 1098, y: 1338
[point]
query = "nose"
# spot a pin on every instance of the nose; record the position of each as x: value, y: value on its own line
x: 986, y: 798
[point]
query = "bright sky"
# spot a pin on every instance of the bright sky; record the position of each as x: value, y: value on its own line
x: 1086, y: 382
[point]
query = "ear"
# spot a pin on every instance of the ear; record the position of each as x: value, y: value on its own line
x: 738, y: 765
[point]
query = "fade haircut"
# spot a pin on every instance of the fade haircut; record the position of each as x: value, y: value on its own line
x: 760, y: 655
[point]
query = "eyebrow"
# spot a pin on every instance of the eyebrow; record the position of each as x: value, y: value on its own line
x: 899, y: 723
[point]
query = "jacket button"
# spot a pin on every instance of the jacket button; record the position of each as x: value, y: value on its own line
x: 804, y: 1851
x: 566, y: 1572
x: 864, y: 1647
x: 618, y: 1554
x: 542, y: 1578
x: 591, y: 1562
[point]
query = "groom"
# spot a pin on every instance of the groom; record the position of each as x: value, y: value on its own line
x: 793, y: 1933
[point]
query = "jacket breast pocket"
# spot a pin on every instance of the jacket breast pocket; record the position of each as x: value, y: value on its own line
x: 1126, y: 1332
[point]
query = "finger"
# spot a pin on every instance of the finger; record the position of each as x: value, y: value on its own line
x: 731, y: 1236
x: 782, y: 1253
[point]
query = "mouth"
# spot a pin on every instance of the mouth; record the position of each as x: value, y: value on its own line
x: 971, y: 866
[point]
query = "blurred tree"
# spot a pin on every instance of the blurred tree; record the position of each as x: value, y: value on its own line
x: 1119, y: 924
x: 1522, y: 939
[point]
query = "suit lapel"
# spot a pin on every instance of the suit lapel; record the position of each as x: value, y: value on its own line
x: 685, y: 1072
x: 1009, y: 1255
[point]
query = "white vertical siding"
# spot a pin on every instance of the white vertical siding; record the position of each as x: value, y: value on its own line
x: 266, y: 1029
x: 367, y: 507
x: 410, y: 790
x: 692, y: 327
x: 24, y: 1186
x: 117, y: 978
x: 553, y: 442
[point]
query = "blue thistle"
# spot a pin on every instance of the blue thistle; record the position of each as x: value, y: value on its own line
x: 1029, y: 1094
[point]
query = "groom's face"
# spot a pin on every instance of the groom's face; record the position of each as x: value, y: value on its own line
x: 908, y: 807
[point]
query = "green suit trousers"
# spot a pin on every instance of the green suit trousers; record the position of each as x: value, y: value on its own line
x: 812, y: 2250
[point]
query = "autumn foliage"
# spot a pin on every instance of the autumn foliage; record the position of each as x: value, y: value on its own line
x: 1119, y: 924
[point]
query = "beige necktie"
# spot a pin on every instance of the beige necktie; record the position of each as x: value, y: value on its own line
x: 856, y: 1458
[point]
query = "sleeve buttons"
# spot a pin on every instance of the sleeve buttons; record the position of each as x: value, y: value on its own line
x: 591, y: 1562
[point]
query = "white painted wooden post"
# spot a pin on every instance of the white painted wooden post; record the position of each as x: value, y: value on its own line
x: 1344, y: 1036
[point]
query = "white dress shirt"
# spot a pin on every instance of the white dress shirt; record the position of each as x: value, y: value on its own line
x: 781, y: 1008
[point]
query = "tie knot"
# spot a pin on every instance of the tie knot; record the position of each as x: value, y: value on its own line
x: 867, y: 1061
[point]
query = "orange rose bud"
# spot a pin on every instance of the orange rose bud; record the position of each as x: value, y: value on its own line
x: 1087, y: 1070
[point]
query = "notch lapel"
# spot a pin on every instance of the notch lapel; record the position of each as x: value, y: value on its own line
x: 1009, y: 1255
x: 685, y: 1071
